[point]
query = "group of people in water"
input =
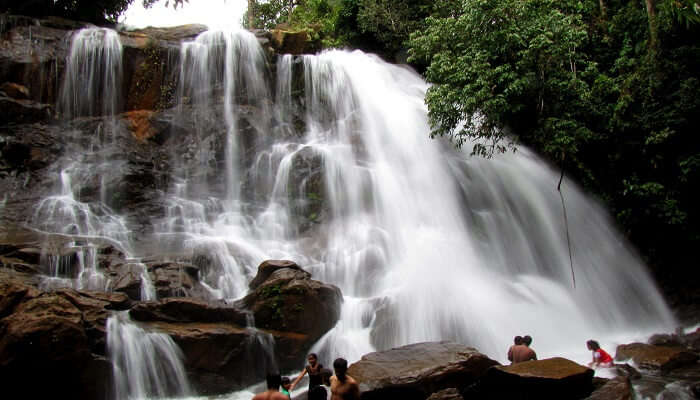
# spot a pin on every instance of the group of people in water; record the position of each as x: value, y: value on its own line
x: 342, y: 386
x: 520, y: 351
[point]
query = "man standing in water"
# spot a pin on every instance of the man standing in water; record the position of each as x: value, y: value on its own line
x: 343, y: 387
x: 272, y: 392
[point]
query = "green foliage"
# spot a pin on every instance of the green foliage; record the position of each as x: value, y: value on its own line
x: 585, y: 89
x: 499, y: 63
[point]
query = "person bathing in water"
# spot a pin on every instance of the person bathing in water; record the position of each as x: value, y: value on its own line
x: 343, y: 386
x: 601, y: 358
x: 272, y: 392
x: 314, y: 369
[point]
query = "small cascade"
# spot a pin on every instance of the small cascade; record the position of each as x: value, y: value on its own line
x: 79, y: 211
x: 145, y: 364
x: 92, y: 84
x: 260, y: 343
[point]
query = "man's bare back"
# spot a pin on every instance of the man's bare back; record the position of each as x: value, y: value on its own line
x: 270, y: 395
x: 347, y: 390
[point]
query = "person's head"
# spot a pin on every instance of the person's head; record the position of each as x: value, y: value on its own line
x: 312, y: 359
x: 518, y: 340
x: 592, y: 345
x: 340, y: 365
x: 527, y: 339
x: 286, y: 382
x: 273, y: 380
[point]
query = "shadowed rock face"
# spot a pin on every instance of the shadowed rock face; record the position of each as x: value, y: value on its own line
x: 59, y: 337
x: 618, y: 388
x: 415, y: 371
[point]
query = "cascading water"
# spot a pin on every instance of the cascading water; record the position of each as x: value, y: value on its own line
x: 91, y: 87
x: 146, y: 364
x: 426, y: 243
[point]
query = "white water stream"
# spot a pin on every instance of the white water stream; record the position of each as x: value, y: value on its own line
x: 425, y: 242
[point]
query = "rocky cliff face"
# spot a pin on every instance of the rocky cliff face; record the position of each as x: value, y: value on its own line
x: 48, y: 329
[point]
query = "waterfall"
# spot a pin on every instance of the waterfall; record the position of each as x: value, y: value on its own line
x: 145, y: 364
x: 92, y: 84
x: 329, y: 163
x: 425, y: 241
x: 91, y: 87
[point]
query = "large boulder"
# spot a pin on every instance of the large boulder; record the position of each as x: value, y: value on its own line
x: 552, y: 378
x: 288, y: 300
x: 418, y: 370
x: 48, y: 337
x: 655, y: 357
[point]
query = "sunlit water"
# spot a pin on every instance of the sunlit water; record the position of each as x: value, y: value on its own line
x: 425, y: 242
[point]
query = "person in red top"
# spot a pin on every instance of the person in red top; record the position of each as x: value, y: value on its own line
x: 600, y: 357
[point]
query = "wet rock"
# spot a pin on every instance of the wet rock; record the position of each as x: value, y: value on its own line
x: 23, y: 111
x: 288, y: 300
x: 32, y: 55
x: 627, y: 371
x: 655, y: 357
x: 268, y: 267
x: 618, y: 388
x: 175, y: 279
x: 186, y: 310
x: 446, y: 394
x: 292, y: 42
x: 552, y: 378
x: 15, y: 91
x: 13, y: 293
x: 417, y: 370
x: 126, y: 278
x: 44, y: 336
x: 308, y: 189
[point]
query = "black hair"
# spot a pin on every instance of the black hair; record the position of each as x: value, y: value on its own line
x: 340, y: 365
x: 527, y: 339
x: 593, y: 344
x: 518, y: 340
x: 273, y: 380
x: 286, y: 380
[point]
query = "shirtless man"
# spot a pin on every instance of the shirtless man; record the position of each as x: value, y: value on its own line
x: 272, y: 392
x: 343, y: 387
x: 523, y: 352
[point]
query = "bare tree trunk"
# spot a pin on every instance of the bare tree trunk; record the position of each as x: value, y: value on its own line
x: 653, y: 32
x: 603, y: 10
x: 251, y: 14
